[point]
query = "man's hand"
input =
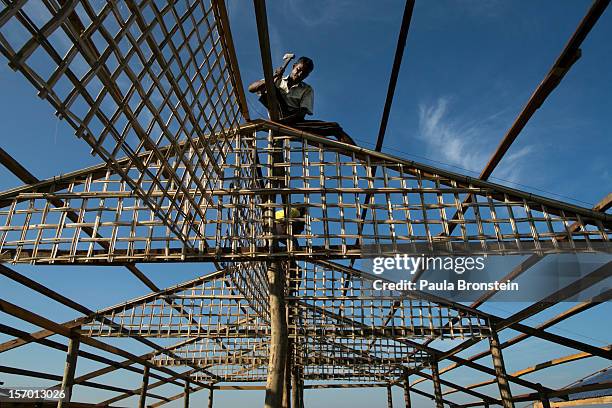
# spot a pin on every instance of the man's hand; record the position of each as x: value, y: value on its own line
x: 260, y: 86
x: 278, y: 72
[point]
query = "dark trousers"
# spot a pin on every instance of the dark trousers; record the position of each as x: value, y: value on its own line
x: 316, y: 127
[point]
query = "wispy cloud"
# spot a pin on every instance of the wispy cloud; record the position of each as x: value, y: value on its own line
x: 510, y: 167
x: 459, y: 141
x: 314, y: 13
x: 446, y: 139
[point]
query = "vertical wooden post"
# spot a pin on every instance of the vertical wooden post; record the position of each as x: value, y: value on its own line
x: 545, y: 403
x: 277, y: 358
x: 143, y: 389
x: 295, y: 392
x: 186, y: 399
x: 210, y: 398
x: 301, y: 378
x: 389, y: 396
x: 288, y: 370
x: 500, y: 370
x: 69, y: 369
x: 435, y: 375
x: 278, y: 340
x: 407, y: 390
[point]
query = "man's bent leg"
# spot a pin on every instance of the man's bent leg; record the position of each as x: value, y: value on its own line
x: 326, y: 129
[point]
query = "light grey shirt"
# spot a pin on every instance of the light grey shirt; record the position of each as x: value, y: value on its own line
x: 300, y: 95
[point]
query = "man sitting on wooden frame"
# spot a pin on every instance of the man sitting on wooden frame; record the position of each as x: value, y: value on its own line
x: 296, y: 100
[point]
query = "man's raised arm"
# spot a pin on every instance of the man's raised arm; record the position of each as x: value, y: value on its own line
x: 257, y: 86
x: 260, y: 86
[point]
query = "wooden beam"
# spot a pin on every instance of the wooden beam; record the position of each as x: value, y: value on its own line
x: 38, y: 336
x: 307, y: 387
x: 111, y: 364
x: 143, y: 390
x: 435, y: 375
x: 295, y: 392
x: 69, y: 370
x: 602, y: 352
x: 397, y: 63
x: 24, y: 174
x: 432, y: 351
x: 288, y: 370
x: 553, y: 206
x: 604, y: 401
x: 129, y: 393
x: 54, y: 377
x: 573, y: 311
x: 177, y: 396
x: 406, y: 387
x: 458, y: 387
x: 186, y: 395
x: 500, y: 370
x: 569, y: 55
x: 278, y: 339
x: 599, y: 274
x: 389, y: 396
x: 42, y: 322
x: 225, y: 32
x: 529, y: 370
x: 266, y: 59
x: 544, y: 401
x: 76, y: 306
x: 210, y: 397
x: 562, y: 393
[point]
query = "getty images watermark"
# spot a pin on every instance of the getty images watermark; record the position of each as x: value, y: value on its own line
x: 449, y: 271
x: 464, y: 273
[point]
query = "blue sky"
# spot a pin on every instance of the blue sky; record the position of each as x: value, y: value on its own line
x: 468, y: 68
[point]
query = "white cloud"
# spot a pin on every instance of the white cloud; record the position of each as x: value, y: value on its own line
x: 446, y: 140
x: 509, y: 168
x: 456, y: 140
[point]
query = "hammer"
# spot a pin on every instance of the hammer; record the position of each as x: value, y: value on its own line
x: 286, y: 59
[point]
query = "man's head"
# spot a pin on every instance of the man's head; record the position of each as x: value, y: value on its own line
x: 301, y: 69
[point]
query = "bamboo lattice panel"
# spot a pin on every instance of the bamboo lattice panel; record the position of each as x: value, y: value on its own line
x: 410, y: 207
x: 150, y: 87
x: 339, y: 329
x: 329, y: 303
x: 131, y: 78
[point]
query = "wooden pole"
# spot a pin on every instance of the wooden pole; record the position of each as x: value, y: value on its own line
x: 277, y: 359
x: 210, y: 398
x: 389, y: 396
x: 266, y: 60
x: 407, y: 390
x: 288, y: 371
x: 544, y: 399
x: 278, y: 340
x: 301, y: 390
x: 435, y: 375
x: 295, y: 392
x: 145, y: 386
x: 68, y: 379
x: 186, y: 398
x: 500, y: 370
